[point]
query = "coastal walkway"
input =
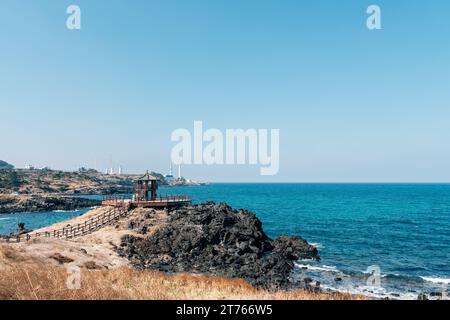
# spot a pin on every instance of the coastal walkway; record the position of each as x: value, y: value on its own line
x: 111, y: 216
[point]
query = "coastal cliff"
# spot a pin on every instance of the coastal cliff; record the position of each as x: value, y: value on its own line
x: 48, y: 190
x: 217, y: 240
x: 84, y: 181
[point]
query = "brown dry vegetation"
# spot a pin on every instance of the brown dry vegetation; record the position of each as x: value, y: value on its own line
x: 24, y: 278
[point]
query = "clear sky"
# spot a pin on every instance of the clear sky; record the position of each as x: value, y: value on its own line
x: 352, y: 105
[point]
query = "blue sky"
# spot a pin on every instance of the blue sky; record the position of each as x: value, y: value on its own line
x: 352, y: 105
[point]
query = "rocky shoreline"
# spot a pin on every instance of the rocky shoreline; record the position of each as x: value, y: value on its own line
x: 215, y: 239
x: 38, y: 203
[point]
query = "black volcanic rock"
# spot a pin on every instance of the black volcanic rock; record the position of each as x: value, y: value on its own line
x: 215, y: 239
x: 36, y: 203
x: 21, y: 230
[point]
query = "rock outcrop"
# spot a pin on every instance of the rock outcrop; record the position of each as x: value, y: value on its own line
x: 20, y: 230
x: 215, y: 239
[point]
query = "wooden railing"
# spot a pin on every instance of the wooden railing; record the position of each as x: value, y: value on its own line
x: 174, y: 198
x: 112, y: 215
x: 165, y: 198
x: 169, y: 199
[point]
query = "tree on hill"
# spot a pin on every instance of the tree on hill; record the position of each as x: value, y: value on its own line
x: 5, y: 165
x: 87, y: 170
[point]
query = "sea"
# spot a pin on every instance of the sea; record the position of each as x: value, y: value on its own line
x: 380, y: 240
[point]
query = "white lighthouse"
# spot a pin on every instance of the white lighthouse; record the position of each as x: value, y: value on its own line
x: 169, y: 177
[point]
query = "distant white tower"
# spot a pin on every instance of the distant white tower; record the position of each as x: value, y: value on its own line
x: 106, y: 171
x: 179, y: 172
x: 111, y: 171
x: 169, y: 177
x: 120, y: 170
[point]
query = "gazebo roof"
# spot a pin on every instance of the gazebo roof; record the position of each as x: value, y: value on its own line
x: 146, y: 177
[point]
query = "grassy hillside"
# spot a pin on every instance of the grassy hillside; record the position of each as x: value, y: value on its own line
x: 22, y: 278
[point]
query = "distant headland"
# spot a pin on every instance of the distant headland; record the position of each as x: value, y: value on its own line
x: 42, y: 189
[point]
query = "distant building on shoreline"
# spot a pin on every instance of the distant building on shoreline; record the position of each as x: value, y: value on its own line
x: 31, y: 167
x: 111, y: 171
x: 180, y: 180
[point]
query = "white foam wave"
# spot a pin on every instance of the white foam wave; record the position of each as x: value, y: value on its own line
x: 437, y: 280
x: 373, y: 292
x: 317, y: 268
x: 317, y: 245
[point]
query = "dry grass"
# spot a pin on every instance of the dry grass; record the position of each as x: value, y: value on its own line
x: 25, y: 279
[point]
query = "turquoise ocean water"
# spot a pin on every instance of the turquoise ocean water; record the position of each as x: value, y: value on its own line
x: 35, y: 220
x: 402, y: 229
